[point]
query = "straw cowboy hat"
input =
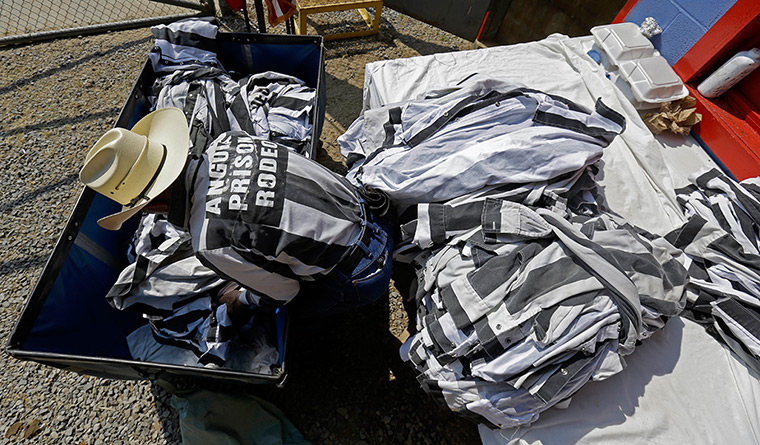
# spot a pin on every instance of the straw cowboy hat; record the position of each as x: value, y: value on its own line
x: 134, y: 167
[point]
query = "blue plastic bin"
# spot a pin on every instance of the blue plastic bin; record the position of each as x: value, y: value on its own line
x: 66, y: 322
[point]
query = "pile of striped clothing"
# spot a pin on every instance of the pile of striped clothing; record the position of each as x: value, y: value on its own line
x: 526, y: 289
x: 166, y: 282
x: 178, y: 296
x: 268, y: 105
x: 721, y: 240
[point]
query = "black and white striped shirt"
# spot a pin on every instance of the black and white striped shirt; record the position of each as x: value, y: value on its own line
x: 174, y: 292
x: 722, y: 241
x: 184, y: 44
x: 484, y: 132
x: 521, y: 310
x: 266, y: 217
x: 270, y: 105
x: 271, y: 217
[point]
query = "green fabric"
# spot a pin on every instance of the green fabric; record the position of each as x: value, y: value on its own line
x: 216, y: 418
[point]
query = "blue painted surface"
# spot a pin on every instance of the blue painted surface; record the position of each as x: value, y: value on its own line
x: 683, y: 22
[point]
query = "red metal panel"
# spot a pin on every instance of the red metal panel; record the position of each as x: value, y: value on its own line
x: 750, y: 86
x: 738, y: 25
x: 743, y: 108
x: 725, y: 130
x: 730, y: 124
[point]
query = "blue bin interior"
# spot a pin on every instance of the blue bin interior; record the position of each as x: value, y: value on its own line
x: 285, y: 57
x: 74, y: 317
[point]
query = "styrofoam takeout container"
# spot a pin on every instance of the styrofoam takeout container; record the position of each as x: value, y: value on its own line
x: 623, y: 41
x: 650, y: 77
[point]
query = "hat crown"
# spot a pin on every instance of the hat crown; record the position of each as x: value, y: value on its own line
x: 121, y: 165
x: 134, y: 166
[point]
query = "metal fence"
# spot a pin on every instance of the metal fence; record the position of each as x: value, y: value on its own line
x: 23, y: 21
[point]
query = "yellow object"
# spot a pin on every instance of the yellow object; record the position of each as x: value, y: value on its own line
x: 306, y: 7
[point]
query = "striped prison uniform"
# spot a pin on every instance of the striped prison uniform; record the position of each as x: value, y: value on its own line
x: 525, y: 289
x: 174, y: 292
x: 520, y: 311
x: 268, y: 105
x: 722, y: 243
x: 267, y: 218
x: 167, y: 282
x: 184, y: 44
x: 483, y: 133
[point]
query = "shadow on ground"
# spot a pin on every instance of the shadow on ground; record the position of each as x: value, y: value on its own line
x: 347, y: 385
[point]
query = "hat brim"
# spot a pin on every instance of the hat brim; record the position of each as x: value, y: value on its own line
x: 114, y: 222
x: 168, y: 127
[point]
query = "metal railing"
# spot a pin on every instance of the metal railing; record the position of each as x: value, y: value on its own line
x: 24, y: 21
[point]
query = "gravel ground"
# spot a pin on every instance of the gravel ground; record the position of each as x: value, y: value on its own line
x: 346, y: 383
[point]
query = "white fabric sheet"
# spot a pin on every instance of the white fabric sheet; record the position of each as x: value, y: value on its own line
x: 680, y: 386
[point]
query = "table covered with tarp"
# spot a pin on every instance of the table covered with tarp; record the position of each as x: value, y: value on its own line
x: 682, y: 384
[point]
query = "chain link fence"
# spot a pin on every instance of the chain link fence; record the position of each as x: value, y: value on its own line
x: 23, y: 21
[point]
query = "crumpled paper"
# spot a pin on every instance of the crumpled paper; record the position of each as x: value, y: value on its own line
x: 677, y: 117
x: 650, y: 28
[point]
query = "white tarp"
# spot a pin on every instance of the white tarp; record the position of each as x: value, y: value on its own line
x: 680, y: 387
